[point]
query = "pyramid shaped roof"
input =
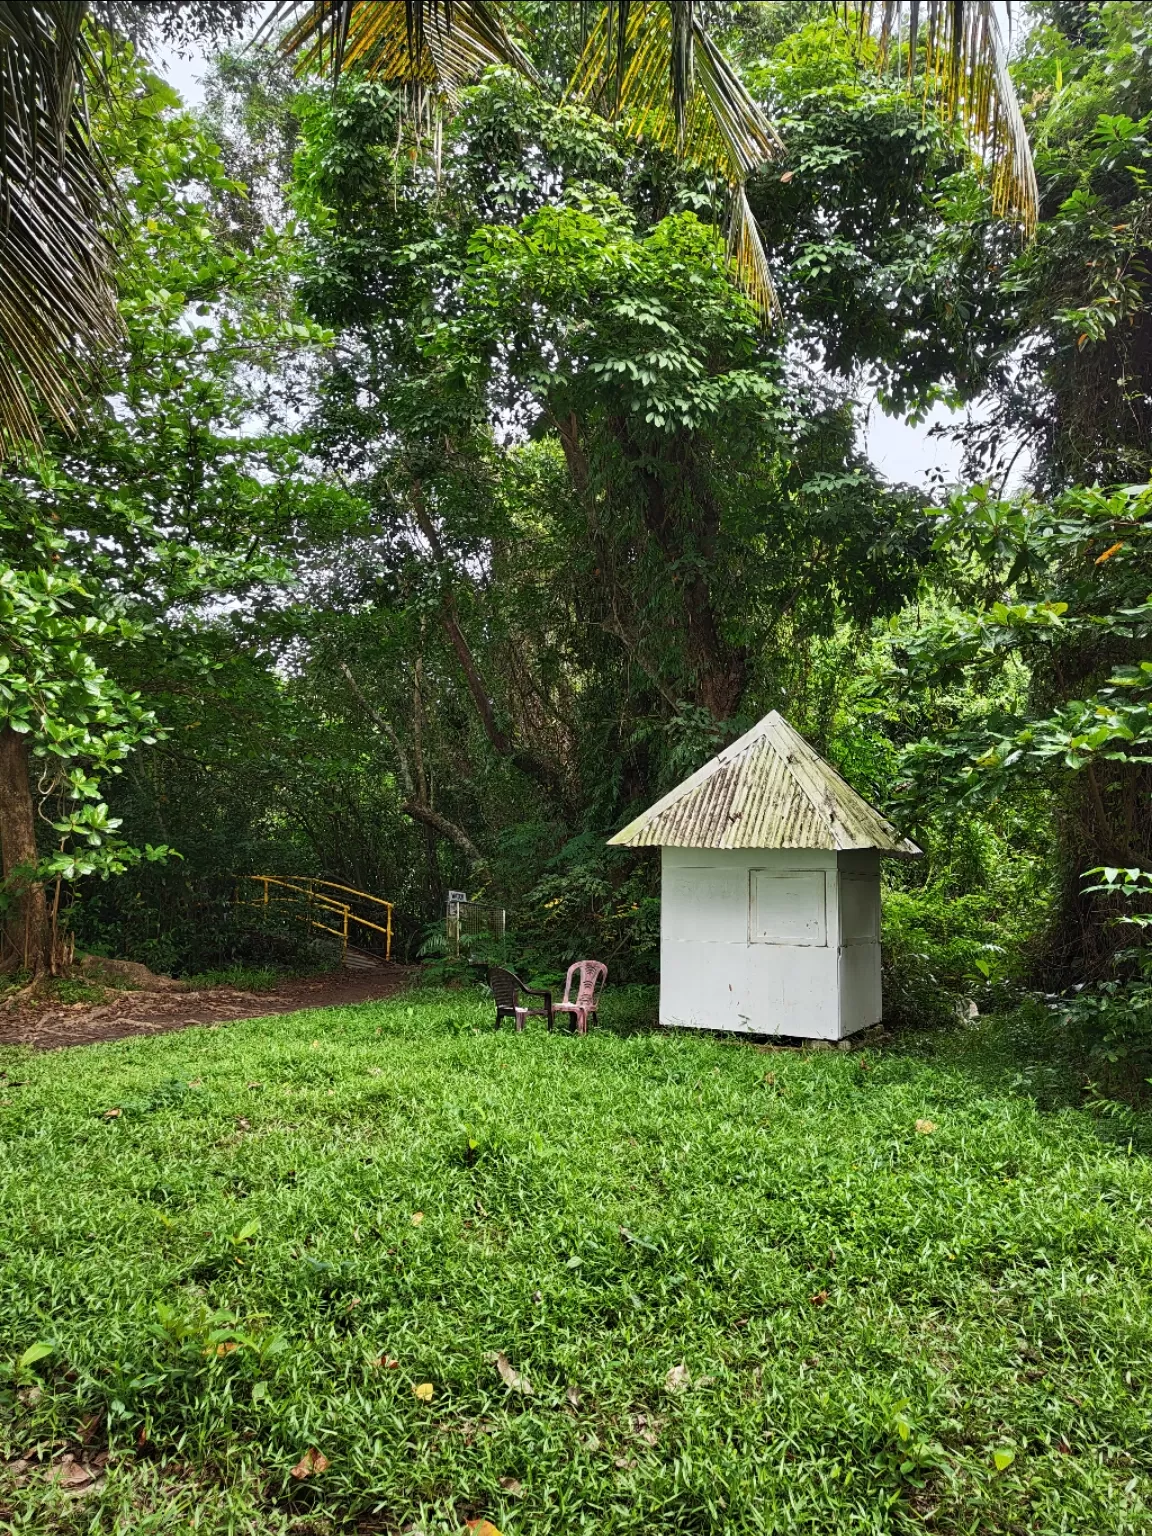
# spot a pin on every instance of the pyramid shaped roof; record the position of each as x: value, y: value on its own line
x: 770, y: 789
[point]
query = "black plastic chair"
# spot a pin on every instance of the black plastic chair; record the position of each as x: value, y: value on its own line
x: 507, y: 989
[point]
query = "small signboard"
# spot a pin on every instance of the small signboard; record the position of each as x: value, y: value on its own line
x: 457, y: 895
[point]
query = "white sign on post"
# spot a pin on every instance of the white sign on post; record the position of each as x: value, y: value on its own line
x: 457, y: 895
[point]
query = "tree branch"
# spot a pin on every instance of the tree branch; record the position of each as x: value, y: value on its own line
x: 451, y: 832
x: 384, y: 725
x: 412, y: 805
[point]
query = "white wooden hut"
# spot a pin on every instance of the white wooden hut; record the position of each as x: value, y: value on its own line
x: 770, y: 891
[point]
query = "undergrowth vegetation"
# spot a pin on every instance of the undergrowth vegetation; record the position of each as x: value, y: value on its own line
x: 632, y: 1282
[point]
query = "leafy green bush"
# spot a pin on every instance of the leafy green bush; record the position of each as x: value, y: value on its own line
x: 1112, y: 1021
x: 592, y: 902
x: 966, y: 935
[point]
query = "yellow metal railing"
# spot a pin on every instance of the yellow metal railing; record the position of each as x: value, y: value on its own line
x: 316, y: 894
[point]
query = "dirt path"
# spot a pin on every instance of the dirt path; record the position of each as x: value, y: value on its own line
x: 49, y: 1026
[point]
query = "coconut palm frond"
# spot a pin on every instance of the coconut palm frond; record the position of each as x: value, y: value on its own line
x: 435, y: 45
x: 750, y: 260
x: 717, y: 126
x: 682, y: 52
x: 751, y: 139
x: 966, y: 79
x: 57, y: 303
x: 678, y: 91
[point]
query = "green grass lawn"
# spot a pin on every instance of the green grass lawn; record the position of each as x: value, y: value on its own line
x: 653, y: 1283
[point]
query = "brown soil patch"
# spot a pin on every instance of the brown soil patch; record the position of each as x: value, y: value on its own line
x: 48, y: 1026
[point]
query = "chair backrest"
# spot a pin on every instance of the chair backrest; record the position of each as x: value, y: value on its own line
x: 505, y: 985
x: 592, y: 977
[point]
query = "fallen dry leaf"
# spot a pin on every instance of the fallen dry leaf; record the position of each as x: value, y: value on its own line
x: 625, y: 1463
x: 573, y: 1396
x: 677, y: 1378
x: 644, y: 1429
x: 481, y: 1528
x: 315, y: 1045
x: 819, y: 1299
x: 417, y: 1218
x: 424, y: 1391
x: 386, y: 1363
x: 509, y: 1375
x: 89, y: 1426
x: 255, y: 1085
x: 311, y: 1462
x: 512, y: 1485
x: 242, y: 1124
x: 70, y: 1473
x: 113, y: 1114
x: 925, y: 1127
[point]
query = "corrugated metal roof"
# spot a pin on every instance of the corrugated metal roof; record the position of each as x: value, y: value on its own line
x: 770, y: 789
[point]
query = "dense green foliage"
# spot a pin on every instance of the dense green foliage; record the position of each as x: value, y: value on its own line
x: 448, y: 502
x: 732, y: 1290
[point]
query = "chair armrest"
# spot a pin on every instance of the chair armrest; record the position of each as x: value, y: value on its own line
x: 536, y: 992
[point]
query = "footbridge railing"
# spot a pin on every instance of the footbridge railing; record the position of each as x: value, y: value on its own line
x: 338, y: 909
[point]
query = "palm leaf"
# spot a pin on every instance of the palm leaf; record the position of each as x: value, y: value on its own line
x: 678, y: 91
x: 749, y: 258
x: 966, y: 79
x: 57, y: 303
x: 435, y: 46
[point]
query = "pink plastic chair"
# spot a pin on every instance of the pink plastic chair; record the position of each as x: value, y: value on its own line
x: 587, y: 1000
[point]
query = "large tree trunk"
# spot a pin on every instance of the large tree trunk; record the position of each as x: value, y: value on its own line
x: 532, y: 764
x: 714, y: 673
x: 27, y: 933
x: 717, y: 671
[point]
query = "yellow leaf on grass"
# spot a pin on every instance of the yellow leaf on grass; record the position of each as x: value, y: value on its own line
x: 481, y: 1528
x: 925, y: 1127
x: 1003, y: 1458
x: 113, y: 1114
x: 417, y: 1218
x: 424, y: 1391
x: 311, y: 1462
